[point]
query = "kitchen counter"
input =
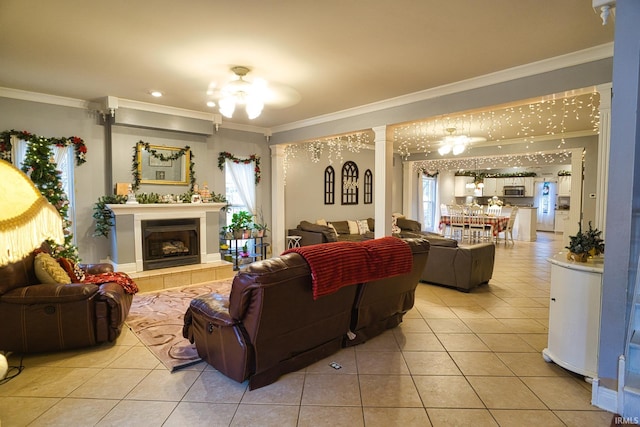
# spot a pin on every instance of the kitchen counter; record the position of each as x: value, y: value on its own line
x: 524, y: 228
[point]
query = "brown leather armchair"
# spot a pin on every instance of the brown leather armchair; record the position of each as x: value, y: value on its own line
x: 36, y: 317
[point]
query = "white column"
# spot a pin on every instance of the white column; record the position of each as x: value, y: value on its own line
x: 604, y: 142
x: 383, y: 181
x: 278, y: 231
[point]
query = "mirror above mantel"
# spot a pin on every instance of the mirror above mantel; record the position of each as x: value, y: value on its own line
x: 163, y: 165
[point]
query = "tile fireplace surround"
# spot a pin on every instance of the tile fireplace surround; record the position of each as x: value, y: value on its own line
x: 126, y: 239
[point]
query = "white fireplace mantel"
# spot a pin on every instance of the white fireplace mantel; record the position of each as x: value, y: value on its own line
x: 143, y: 212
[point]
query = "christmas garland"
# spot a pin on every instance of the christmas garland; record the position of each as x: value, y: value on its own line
x: 252, y: 158
x: 77, y: 143
x: 135, y: 171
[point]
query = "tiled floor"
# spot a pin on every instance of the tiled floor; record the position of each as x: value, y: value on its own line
x: 457, y: 360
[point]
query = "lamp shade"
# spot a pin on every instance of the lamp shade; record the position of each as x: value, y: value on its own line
x: 26, y: 218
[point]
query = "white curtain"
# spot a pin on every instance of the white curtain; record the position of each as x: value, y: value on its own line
x: 243, y: 177
x: 420, y: 198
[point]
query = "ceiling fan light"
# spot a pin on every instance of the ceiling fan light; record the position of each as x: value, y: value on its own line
x: 444, y: 150
x: 458, y: 149
x: 227, y: 106
x: 254, y: 107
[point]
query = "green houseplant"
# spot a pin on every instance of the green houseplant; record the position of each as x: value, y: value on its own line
x: 241, y: 223
x: 585, y: 243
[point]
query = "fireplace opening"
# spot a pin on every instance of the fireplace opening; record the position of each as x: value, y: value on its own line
x: 170, y: 243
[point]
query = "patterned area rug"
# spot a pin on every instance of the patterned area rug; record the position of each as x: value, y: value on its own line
x: 157, y: 319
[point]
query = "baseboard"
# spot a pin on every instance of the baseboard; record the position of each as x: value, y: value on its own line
x: 603, y: 397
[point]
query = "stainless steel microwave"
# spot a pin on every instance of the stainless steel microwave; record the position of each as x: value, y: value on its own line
x: 513, y: 191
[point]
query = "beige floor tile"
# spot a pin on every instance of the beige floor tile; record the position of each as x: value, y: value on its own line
x: 461, y: 342
x: 471, y: 312
x: 536, y: 313
x: 505, y: 393
x: 286, y: 391
x: 138, y: 413
x: 20, y: 411
x: 137, y: 357
x: 79, y: 412
x: 346, y: 358
x: 110, y: 384
x: 417, y: 341
x: 213, y: 387
x: 480, y: 363
x: 414, y: 325
x: 396, y: 391
x: 486, y: 326
x: 385, y: 417
x: 506, y: 343
x: 383, y: 342
x: 460, y: 417
x: 381, y: 362
x: 560, y: 392
x: 526, y: 418
x: 164, y: 385
x: 446, y: 392
x: 331, y: 390
x: 508, y: 312
x: 537, y: 341
x: 265, y: 416
x: 430, y: 363
x: 530, y: 365
x: 585, y: 418
x: 448, y: 325
x: 47, y: 382
x: 434, y: 312
x: 195, y: 414
x: 523, y: 326
x: 330, y: 416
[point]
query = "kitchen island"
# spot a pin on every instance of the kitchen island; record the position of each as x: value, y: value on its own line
x: 524, y: 228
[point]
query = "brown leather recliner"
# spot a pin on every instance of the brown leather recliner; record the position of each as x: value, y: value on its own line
x: 36, y: 317
x: 271, y: 325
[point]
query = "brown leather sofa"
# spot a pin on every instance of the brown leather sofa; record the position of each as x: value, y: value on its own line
x: 459, y: 266
x: 36, y: 317
x: 271, y: 325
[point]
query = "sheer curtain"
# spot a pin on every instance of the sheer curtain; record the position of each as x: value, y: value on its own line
x: 243, y: 176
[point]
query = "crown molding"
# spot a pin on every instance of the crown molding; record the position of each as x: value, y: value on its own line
x: 584, y: 56
x: 44, y: 98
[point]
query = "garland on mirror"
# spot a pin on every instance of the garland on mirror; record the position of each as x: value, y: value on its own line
x: 224, y: 155
x: 135, y: 171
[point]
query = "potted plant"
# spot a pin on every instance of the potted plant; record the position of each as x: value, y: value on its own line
x: 259, y: 229
x: 585, y: 244
x: 241, y: 224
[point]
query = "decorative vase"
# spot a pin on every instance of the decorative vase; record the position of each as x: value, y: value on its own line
x: 246, y: 234
x: 237, y: 234
x: 581, y: 257
x: 259, y: 233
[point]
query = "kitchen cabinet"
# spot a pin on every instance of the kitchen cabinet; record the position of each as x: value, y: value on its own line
x: 564, y: 185
x: 490, y: 188
x: 529, y: 187
x: 561, y: 217
x: 514, y: 180
x: 574, y: 314
x: 460, y: 187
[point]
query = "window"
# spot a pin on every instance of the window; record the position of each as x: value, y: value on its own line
x: 429, y: 185
x: 329, y: 185
x: 240, y: 188
x: 64, y: 158
x: 368, y: 187
x: 349, y: 183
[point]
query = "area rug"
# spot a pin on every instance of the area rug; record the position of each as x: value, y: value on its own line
x: 157, y: 319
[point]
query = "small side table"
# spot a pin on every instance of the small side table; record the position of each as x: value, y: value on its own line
x: 293, y: 241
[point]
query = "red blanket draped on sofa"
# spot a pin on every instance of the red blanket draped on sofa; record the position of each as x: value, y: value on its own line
x: 338, y: 264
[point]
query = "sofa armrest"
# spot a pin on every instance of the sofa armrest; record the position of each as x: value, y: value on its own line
x: 97, y: 268
x: 474, y: 265
x: 112, y: 308
x: 213, y: 307
x: 308, y: 237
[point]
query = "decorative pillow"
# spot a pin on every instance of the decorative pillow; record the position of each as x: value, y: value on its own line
x: 332, y: 228
x: 76, y: 274
x: 353, y: 227
x: 321, y: 222
x: 408, y: 224
x: 371, y: 223
x: 394, y: 226
x: 363, y: 226
x: 49, y: 271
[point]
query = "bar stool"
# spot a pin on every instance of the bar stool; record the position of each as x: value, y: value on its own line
x: 293, y: 241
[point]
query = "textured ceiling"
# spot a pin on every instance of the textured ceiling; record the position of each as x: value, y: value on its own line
x: 318, y: 57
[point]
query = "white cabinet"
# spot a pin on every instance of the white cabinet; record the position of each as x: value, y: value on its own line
x: 515, y: 180
x: 561, y: 218
x: 460, y: 187
x: 564, y: 185
x: 574, y: 314
x: 490, y: 188
x: 529, y: 187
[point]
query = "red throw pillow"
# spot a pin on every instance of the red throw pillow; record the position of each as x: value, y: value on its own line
x: 75, y: 273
